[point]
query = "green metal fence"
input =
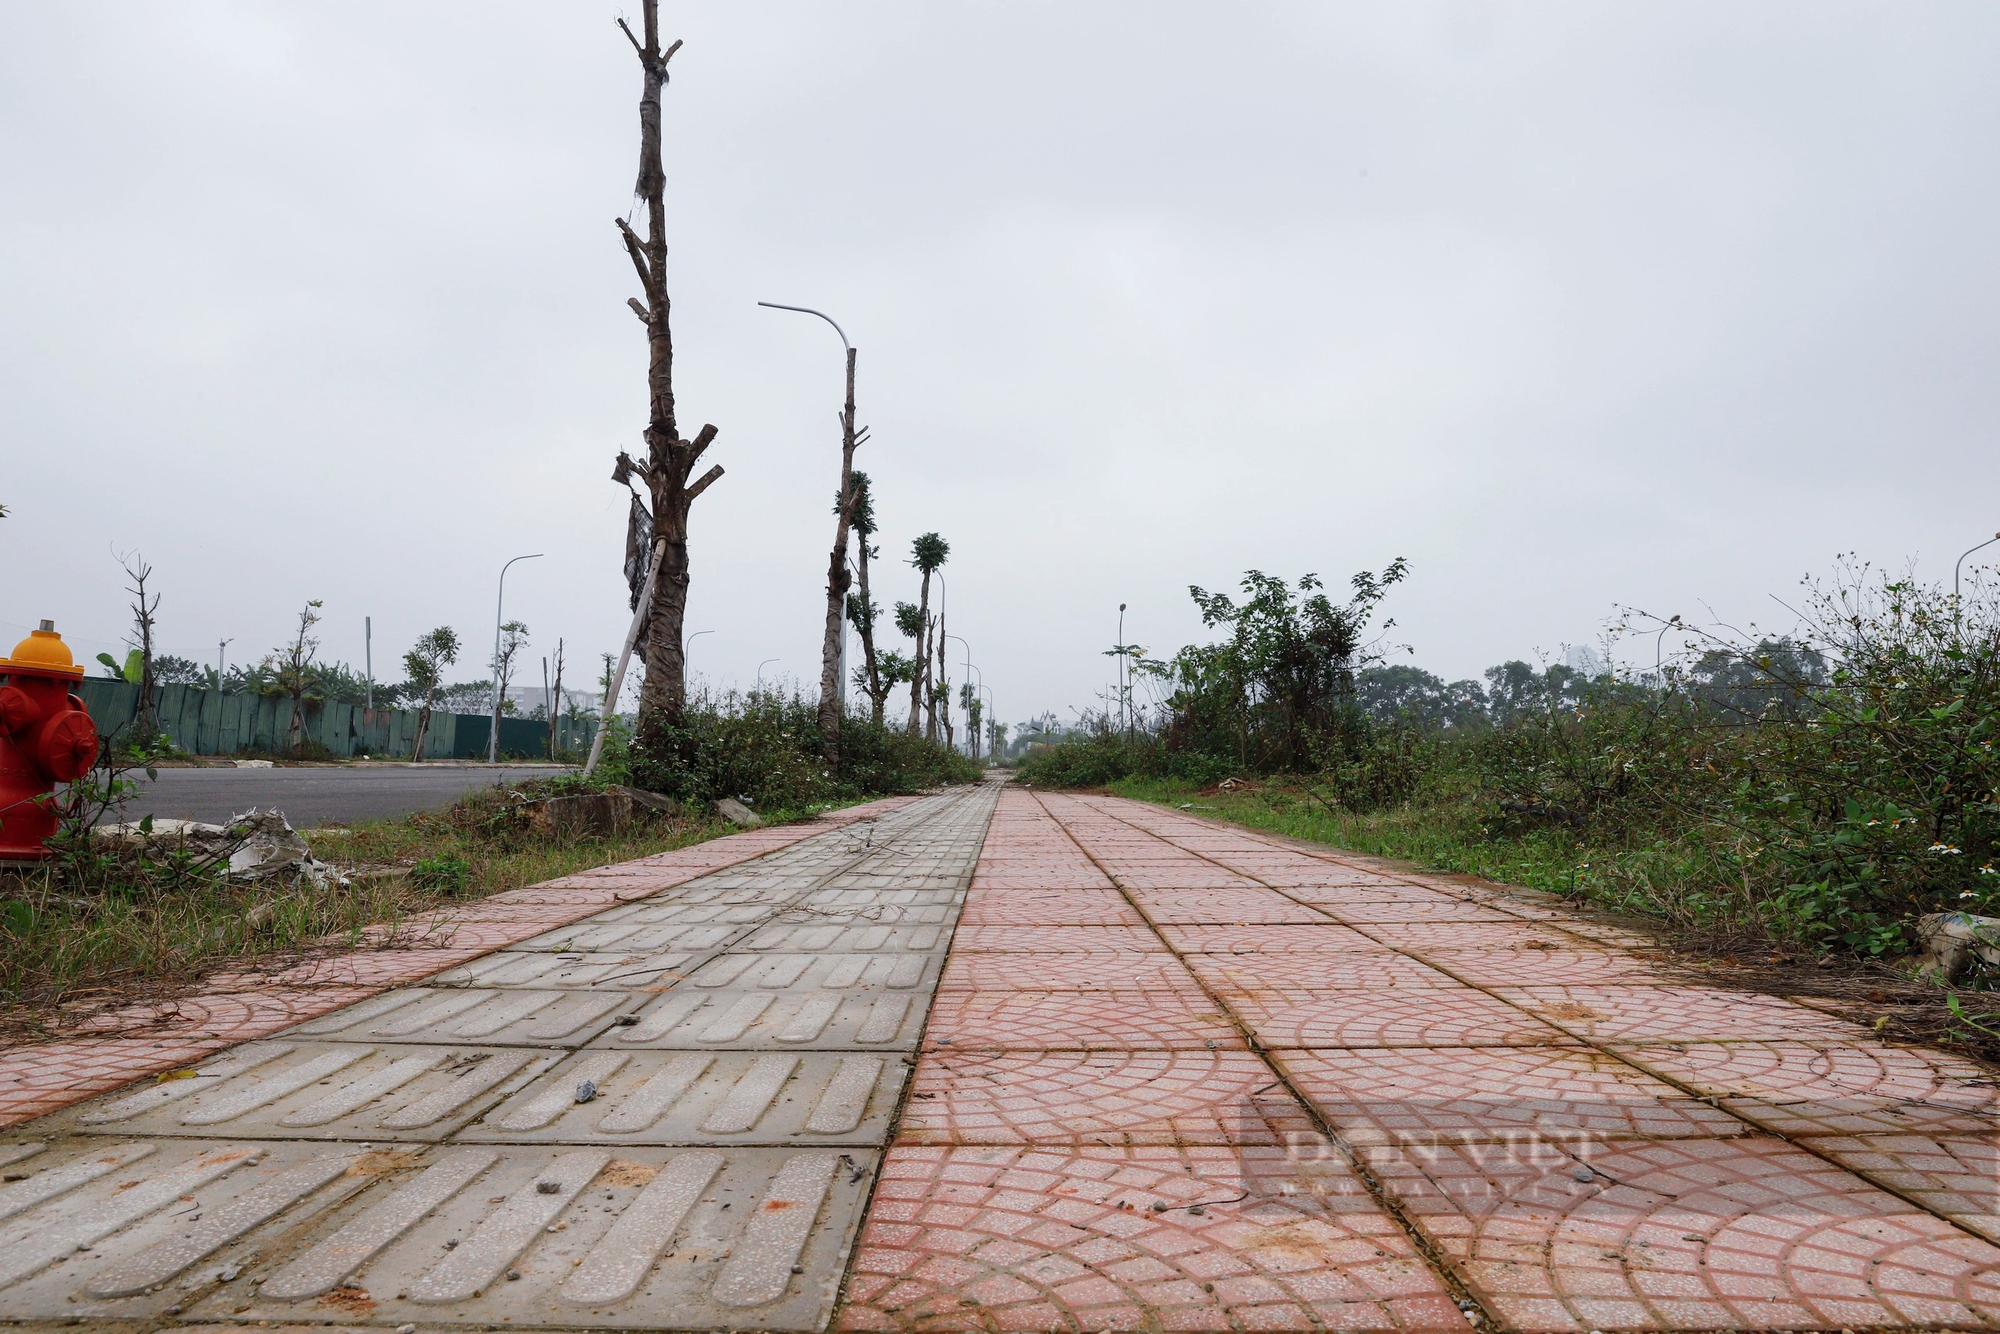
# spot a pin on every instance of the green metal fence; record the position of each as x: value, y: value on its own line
x: 209, y: 722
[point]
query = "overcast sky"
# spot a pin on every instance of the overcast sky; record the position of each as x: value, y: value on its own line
x: 1571, y: 305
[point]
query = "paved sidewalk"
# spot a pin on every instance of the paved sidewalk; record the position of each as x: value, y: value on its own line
x: 1171, y: 1075
x: 1184, y: 1077
x: 141, y: 1041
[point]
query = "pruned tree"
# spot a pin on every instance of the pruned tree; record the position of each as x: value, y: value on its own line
x: 969, y: 698
x: 556, y: 703
x: 927, y: 554
x: 831, y: 687
x: 513, y: 638
x: 425, y: 664
x: 861, y: 608
x: 295, y: 675
x: 146, y: 722
x: 669, y: 464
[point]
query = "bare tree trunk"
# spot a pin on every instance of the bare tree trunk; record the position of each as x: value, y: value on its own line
x: 922, y: 675
x: 556, y: 709
x: 931, y: 679
x: 876, y: 695
x: 670, y: 460
x: 831, y: 687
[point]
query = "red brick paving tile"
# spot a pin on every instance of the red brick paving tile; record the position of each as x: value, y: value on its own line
x: 1687, y: 1234
x: 1413, y: 1017
x: 1378, y: 1096
x: 1505, y: 967
x: 1003, y: 1240
x: 1236, y: 974
x: 1471, y: 935
x: 1108, y: 1097
x: 1056, y: 940
x: 1100, y: 971
x: 1614, y: 1013
x: 1165, y: 878
x: 1324, y: 938
x: 1957, y: 1175
x: 1829, y: 1088
x: 1073, y: 907
x: 1452, y: 910
x: 1242, y: 907
x: 1036, y: 880
x: 363, y: 968
x: 228, y: 1016
x: 1614, y: 936
x: 35, y: 1081
x: 1069, y: 1020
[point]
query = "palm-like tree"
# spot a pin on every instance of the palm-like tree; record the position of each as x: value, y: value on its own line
x: 927, y: 554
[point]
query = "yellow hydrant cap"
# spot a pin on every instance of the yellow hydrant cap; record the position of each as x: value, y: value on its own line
x: 43, y: 650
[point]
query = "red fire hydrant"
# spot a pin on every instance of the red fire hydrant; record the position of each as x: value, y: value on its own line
x: 45, y: 738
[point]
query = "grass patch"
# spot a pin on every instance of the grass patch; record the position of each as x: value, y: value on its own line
x: 72, y: 945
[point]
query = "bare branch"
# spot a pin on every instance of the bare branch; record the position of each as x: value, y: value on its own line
x: 639, y: 309
x: 670, y: 51
x: 634, y: 40
x: 702, y: 485
x: 637, y: 250
x: 700, y: 442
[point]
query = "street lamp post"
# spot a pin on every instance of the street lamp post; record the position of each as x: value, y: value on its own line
x: 760, y: 673
x: 499, y: 601
x: 833, y: 649
x: 970, y: 668
x: 1960, y: 566
x: 687, y: 645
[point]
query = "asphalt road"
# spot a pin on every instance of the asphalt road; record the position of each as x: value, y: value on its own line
x: 316, y: 796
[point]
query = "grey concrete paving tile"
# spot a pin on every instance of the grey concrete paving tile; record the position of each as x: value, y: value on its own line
x: 323, y: 1090
x: 605, y: 971
x: 495, y: 1016
x: 718, y: 1098
x: 628, y: 935
x: 816, y: 937
x: 693, y: 1018
x: 568, y: 1237
x: 820, y: 972
x: 156, y: 1230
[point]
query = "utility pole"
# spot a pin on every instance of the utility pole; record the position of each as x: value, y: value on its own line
x: 368, y: 656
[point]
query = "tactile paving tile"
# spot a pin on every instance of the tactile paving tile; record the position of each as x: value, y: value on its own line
x: 1614, y: 1013
x: 628, y: 937
x: 322, y: 1090
x: 819, y: 972
x: 824, y: 913
x: 458, y: 1015
x: 1098, y: 1097
x: 856, y: 899
x: 627, y: 1238
x: 125, y: 1230
x: 1041, y: 1239
x: 822, y: 937
x: 1079, y: 1020
x: 1410, y: 1017
x: 696, y: 1018
x: 1419, y: 1093
x: 1834, y: 1088
x: 608, y: 971
x: 721, y: 1097
x: 1687, y: 1234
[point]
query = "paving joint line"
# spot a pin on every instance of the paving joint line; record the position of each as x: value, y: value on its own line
x: 915, y: 1055
x: 1714, y: 1101
x: 1462, y: 1295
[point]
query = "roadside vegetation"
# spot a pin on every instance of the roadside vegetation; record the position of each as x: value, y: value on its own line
x: 1804, y: 795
